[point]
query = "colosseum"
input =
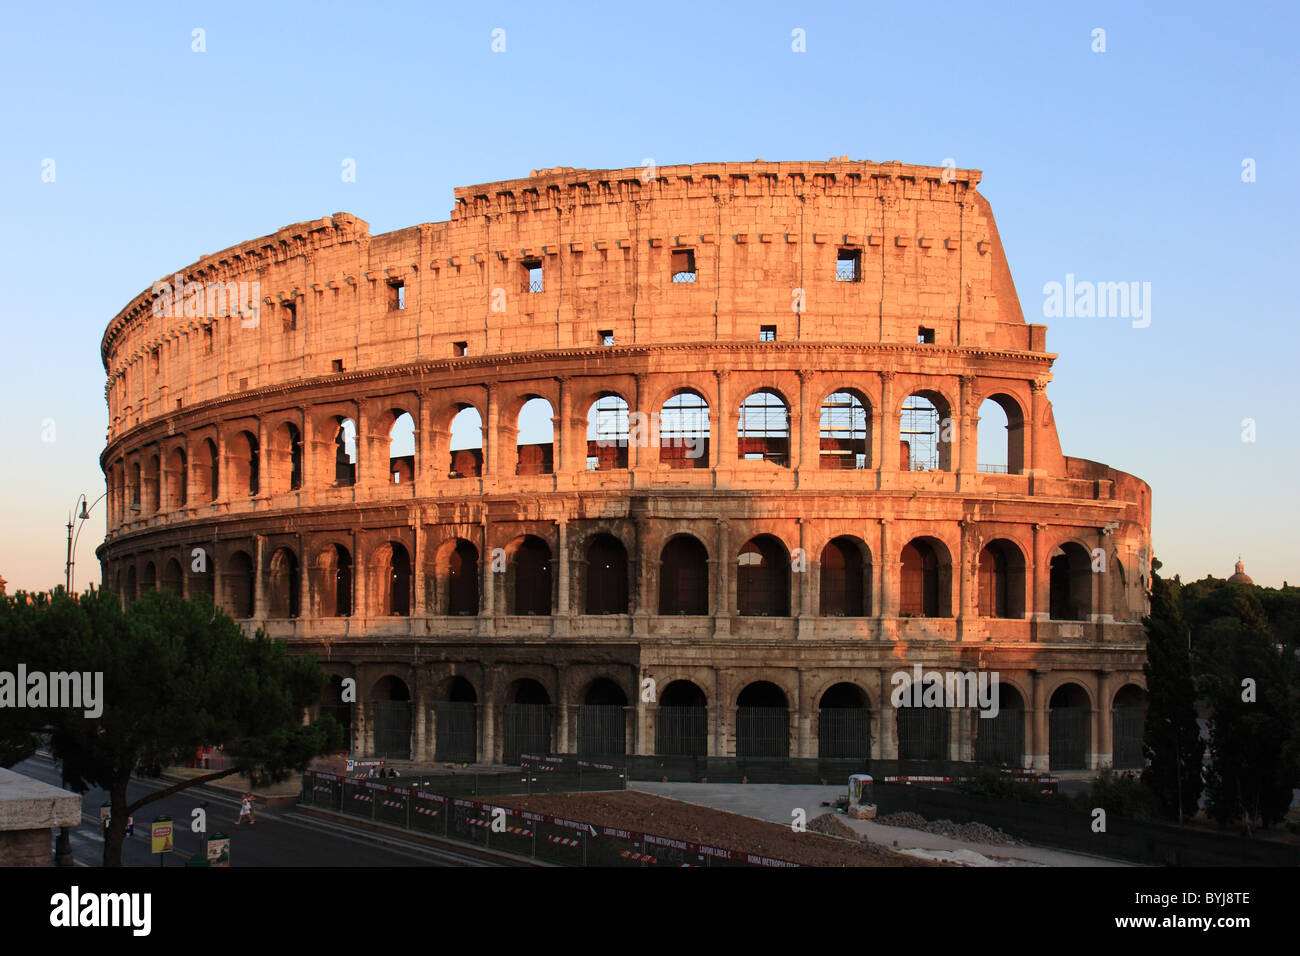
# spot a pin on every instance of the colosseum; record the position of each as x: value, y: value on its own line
x: 682, y: 462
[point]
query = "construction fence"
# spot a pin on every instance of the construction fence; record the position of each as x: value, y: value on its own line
x: 508, y: 830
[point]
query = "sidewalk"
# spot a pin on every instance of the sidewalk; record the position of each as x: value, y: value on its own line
x: 776, y: 802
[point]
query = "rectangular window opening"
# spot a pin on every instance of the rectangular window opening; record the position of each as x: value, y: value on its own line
x: 396, y: 295
x: 337, y: 365
x: 290, y: 316
x: 767, y: 333
x: 683, y: 265
x: 605, y: 337
x: 848, y: 265
x: 207, y: 340
x: 460, y: 348
x: 533, y: 269
x: 924, y: 336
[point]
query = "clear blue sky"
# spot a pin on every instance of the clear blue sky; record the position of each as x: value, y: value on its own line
x: 1116, y: 166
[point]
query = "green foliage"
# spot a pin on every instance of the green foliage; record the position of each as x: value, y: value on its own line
x: 991, y: 782
x: 1124, y: 795
x: 1171, y: 738
x: 178, y: 674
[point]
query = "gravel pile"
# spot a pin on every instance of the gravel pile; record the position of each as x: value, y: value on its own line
x: 832, y: 824
x: 967, y: 832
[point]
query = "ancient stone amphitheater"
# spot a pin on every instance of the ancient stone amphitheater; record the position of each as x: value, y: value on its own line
x: 683, y: 461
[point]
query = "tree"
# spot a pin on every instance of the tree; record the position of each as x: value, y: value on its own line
x: 177, y: 674
x: 1247, y: 682
x: 1171, y: 737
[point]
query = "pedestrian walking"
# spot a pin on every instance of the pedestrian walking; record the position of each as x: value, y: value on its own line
x: 246, y: 810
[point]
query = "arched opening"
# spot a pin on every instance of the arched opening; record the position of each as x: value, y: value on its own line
x: 135, y: 486
x: 1119, y: 606
x: 401, y: 448
x: 1068, y: 728
x: 606, y: 585
x: 333, y: 705
x: 1000, y: 438
x: 530, y: 577
x: 391, y: 564
x: 466, y: 444
x: 332, y: 587
x: 607, y: 433
x: 763, y: 429
x: 129, y: 593
x: 925, y: 433
x: 845, y: 431
x: 152, y: 484
x: 456, y: 739
x: 1001, y: 580
x: 763, y: 578
x: 1000, y: 740
x: 844, y: 724
x: 681, y: 722
x: 684, y: 431
x: 284, y: 584
x: 177, y: 495
x: 602, y: 720
x: 173, y: 578
x: 207, y: 466
x: 149, y: 580
x: 535, y: 443
x: 243, y: 455
x: 238, y: 585
x: 923, y: 731
x: 1070, y: 583
x: 199, y: 582
x: 345, y: 452
x: 527, y: 721
x: 925, y: 584
x: 460, y: 580
x: 684, y: 577
x: 762, y: 722
x: 391, y: 706
x: 1128, y: 717
x: 845, y: 585
x: 286, y: 458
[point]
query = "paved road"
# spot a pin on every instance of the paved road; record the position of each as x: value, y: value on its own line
x: 279, y: 838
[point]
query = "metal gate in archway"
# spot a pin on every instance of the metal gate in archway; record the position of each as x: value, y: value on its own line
x: 343, y: 714
x: 1068, y: 738
x: 392, y: 736
x: 602, y: 730
x: 843, y: 732
x: 681, y: 731
x: 1000, y: 740
x: 528, y: 730
x: 1128, y: 725
x: 923, y: 733
x: 762, y: 732
x: 456, y: 737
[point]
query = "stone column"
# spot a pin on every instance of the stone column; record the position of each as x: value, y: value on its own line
x: 560, y: 619
x: 259, y: 575
x: 309, y: 450
x: 1103, y: 735
x: 888, y: 577
x: 967, y: 591
x: 420, y: 540
x: 304, y: 581
x: 642, y: 602
x: 806, y: 430
x: 419, y: 719
x: 887, y: 743
x: 491, y: 457
x: 487, y: 593
x: 1039, y: 739
x: 360, y: 567
x: 223, y: 469
x: 1037, y: 398
x: 722, y: 600
x: 264, y: 469
x: 722, y: 433
x: 887, y: 463
x: 1040, y: 599
x: 802, y: 587
x: 967, y: 435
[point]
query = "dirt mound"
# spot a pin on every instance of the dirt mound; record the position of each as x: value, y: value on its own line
x: 966, y: 832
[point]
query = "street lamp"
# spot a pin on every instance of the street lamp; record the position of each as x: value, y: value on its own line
x: 63, y: 846
x: 81, y: 519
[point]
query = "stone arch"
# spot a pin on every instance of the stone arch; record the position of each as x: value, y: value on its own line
x: 456, y: 578
x: 536, y: 423
x: 242, y: 458
x: 403, y: 444
x: 1001, y: 580
x: 844, y: 430
x: 456, y: 715
x: 173, y: 578
x: 176, y: 480
x: 926, y: 431
x: 530, y: 582
x: 390, y: 567
x: 1070, y: 582
x: 602, y: 719
x: 390, y: 707
x: 763, y: 578
x: 685, y: 430
x: 149, y: 578
x: 207, y: 470
x: 762, y: 721
x: 285, y: 458
x: 608, y: 432
x: 925, y: 579
x: 283, y: 584
x: 527, y: 719
x: 238, y: 585
x: 684, y: 576
x: 844, y: 722
x: 604, y: 575
x: 331, y: 581
x: 845, y: 578
x: 763, y: 428
x: 681, y: 720
x: 1069, y: 726
x: 465, y: 442
x: 1128, y: 727
x: 1000, y: 436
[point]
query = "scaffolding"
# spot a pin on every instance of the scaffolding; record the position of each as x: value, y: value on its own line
x: 764, y: 428
x: 919, y: 430
x: 843, y: 432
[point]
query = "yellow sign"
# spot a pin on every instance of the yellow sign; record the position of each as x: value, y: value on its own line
x: 162, y: 835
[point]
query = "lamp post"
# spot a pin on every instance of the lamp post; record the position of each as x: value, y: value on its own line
x: 63, y: 846
x: 72, y: 542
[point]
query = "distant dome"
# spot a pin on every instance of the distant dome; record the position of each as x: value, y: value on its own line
x: 1240, y: 577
